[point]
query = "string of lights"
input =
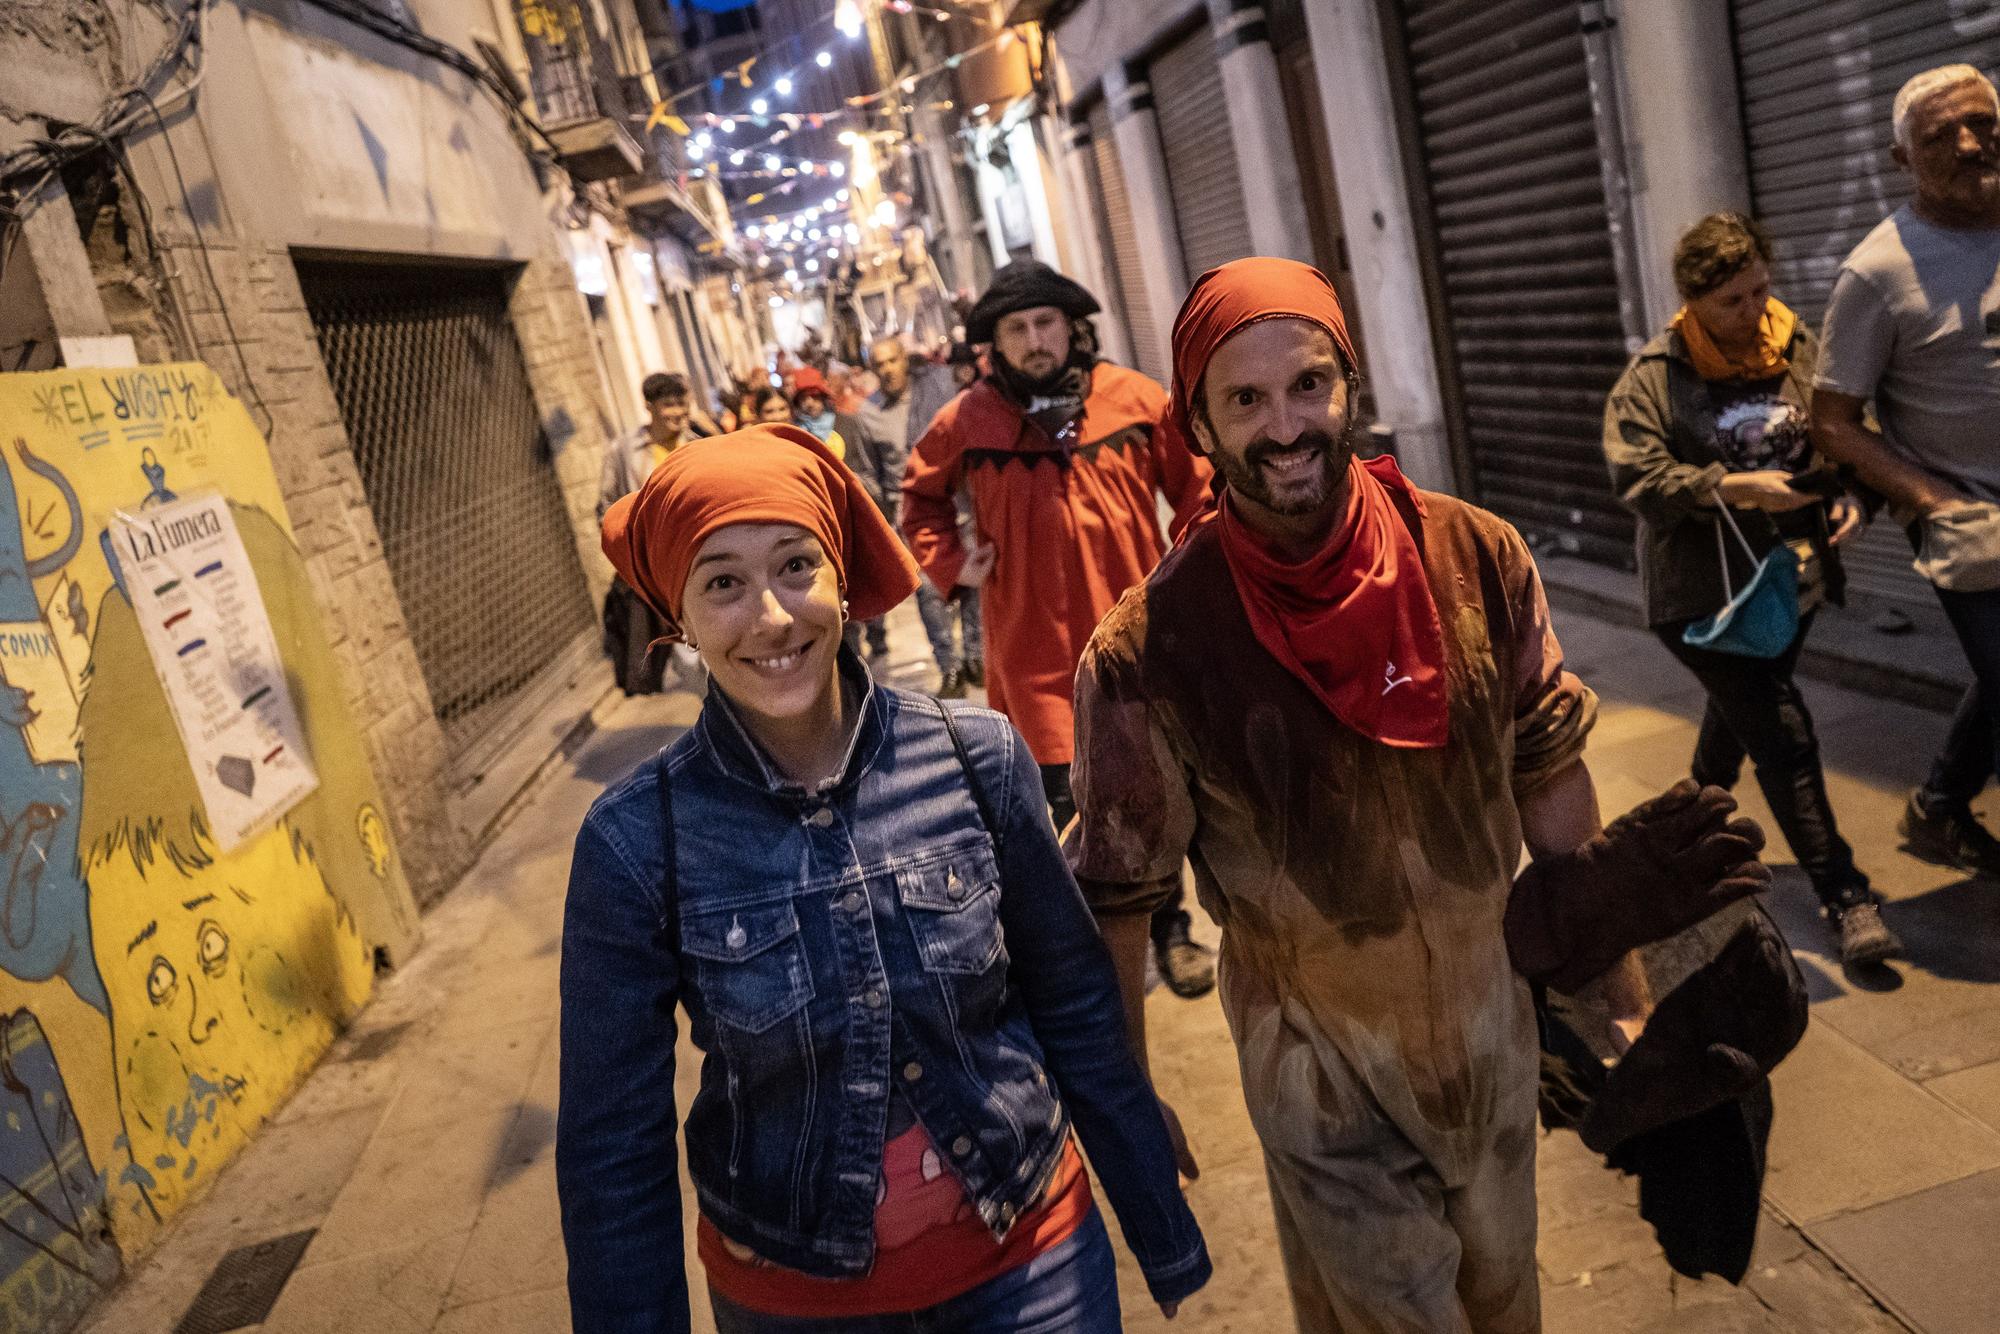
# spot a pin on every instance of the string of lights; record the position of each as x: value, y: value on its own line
x: 847, y: 19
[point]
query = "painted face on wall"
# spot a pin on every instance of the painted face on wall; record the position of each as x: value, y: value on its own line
x: 225, y: 985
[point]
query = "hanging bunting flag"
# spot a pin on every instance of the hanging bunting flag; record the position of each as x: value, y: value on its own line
x: 663, y: 114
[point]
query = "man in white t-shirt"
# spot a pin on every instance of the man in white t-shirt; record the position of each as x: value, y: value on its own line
x: 1914, y: 326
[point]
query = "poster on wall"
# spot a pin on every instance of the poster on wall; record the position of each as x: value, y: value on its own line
x: 200, y: 878
x: 196, y: 597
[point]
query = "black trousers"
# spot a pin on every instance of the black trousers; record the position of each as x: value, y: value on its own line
x: 1972, y: 746
x: 1168, y: 916
x: 1755, y: 708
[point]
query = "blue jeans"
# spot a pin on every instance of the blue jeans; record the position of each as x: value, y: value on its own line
x: 940, y: 614
x: 1072, y: 1289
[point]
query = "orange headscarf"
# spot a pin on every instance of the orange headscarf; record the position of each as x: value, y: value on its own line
x: 1354, y: 621
x: 761, y: 474
x: 1767, y: 359
x: 1240, y: 293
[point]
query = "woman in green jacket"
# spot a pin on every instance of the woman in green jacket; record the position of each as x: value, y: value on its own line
x: 1712, y: 413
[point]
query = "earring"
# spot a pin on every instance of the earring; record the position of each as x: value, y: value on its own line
x: 843, y: 610
x: 691, y: 645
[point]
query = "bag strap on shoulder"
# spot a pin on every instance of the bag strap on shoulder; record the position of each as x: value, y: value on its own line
x: 670, y: 879
x: 972, y: 778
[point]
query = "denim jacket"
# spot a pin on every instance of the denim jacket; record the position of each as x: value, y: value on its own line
x: 828, y: 946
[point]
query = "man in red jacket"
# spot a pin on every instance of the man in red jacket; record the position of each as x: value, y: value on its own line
x: 1063, y: 460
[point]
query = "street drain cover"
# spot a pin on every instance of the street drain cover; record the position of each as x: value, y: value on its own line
x: 376, y: 1044
x: 245, y: 1285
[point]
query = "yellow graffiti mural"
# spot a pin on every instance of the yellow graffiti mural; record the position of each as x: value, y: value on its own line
x: 180, y: 992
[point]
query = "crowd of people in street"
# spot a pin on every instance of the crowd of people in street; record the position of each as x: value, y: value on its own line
x: 912, y: 937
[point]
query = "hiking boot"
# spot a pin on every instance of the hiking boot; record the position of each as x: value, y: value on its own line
x: 975, y: 671
x: 1188, y: 969
x: 1865, y: 938
x: 952, y: 685
x: 1948, y: 837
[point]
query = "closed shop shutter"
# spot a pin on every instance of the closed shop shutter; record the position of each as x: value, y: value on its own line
x: 1818, y: 79
x: 434, y: 393
x: 1202, y: 181
x: 1523, y: 245
x: 1121, y: 249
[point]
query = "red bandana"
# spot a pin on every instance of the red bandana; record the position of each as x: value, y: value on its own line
x: 1355, y: 621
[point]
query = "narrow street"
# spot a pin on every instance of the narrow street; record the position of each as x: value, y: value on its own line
x: 422, y: 1149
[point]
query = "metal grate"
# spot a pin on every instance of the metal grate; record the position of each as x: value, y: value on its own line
x: 1123, y: 256
x: 1513, y: 172
x: 434, y: 393
x: 245, y: 1285
x: 1818, y: 79
x: 1202, y: 180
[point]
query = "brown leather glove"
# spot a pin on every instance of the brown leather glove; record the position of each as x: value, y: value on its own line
x: 1660, y: 868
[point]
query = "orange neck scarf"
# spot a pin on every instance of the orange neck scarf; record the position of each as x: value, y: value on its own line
x: 1766, y: 359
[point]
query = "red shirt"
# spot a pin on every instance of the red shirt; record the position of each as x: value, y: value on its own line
x: 930, y: 1244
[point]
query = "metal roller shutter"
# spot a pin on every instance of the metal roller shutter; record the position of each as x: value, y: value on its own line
x: 434, y: 393
x: 1524, y: 247
x: 1122, y: 249
x: 1818, y: 79
x: 1202, y: 181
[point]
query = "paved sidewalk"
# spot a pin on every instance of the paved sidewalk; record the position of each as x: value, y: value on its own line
x: 428, y: 1168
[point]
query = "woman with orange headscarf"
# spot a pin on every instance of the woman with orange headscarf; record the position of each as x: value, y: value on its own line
x: 857, y: 897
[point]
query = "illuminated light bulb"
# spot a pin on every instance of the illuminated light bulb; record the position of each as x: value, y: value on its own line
x: 728, y: 125
x: 853, y: 234
x: 814, y: 235
x: 738, y: 158
x: 791, y: 275
x: 841, y: 195
x: 837, y: 169
x: 705, y: 139
x: 751, y: 232
x: 812, y: 266
x: 759, y: 107
x: 783, y: 87
x: 776, y: 301
x: 824, y: 60
x: 772, y: 162
x: 849, y: 138
x: 847, y: 18
x: 694, y: 150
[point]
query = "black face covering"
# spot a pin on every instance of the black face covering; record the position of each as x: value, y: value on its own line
x: 1052, y: 402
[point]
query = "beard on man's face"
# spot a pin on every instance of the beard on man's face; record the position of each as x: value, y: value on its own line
x: 1293, y: 479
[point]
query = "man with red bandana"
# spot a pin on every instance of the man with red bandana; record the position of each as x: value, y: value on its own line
x: 1064, y: 463
x: 1341, y: 698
